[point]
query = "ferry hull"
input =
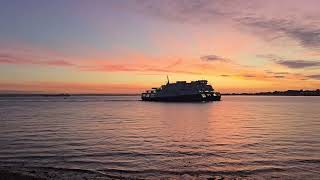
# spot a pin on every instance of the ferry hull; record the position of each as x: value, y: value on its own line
x: 183, y: 98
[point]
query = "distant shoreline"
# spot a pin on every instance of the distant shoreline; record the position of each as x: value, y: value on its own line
x: 279, y: 93
x: 263, y: 95
x: 274, y: 93
x: 63, y: 95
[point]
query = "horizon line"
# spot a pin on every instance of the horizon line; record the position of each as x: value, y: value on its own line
x: 22, y: 93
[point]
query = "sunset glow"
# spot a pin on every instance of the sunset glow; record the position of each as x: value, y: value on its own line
x: 129, y: 46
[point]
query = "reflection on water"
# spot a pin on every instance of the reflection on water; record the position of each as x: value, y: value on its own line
x: 253, y: 136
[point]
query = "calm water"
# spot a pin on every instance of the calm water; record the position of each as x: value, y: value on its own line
x: 252, y: 136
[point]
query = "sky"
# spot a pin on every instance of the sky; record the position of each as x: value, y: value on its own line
x: 111, y: 46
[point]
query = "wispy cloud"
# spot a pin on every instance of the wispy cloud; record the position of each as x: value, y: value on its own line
x: 58, y: 63
x: 252, y: 14
x: 315, y: 76
x: 184, y: 11
x: 213, y: 58
x: 174, y: 64
x: 73, y: 87
x: 249, y: 75
x: 138, y: 68
x: 279, y: 76
x: 297, y: 64
x: 276, y: 73
x: 6, y: 58
x: 290, y: 63
x: 168, y: 66
x: 268, y: 56
x: 225, y: 75
x: 308, y: 35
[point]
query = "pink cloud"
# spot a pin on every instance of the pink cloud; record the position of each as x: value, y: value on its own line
x: 69, y: 87
x: 7, y: 58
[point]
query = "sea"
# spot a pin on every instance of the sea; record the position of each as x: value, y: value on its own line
x: 257, y: 137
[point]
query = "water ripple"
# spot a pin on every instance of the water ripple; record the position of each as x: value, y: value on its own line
x: 250, y: 136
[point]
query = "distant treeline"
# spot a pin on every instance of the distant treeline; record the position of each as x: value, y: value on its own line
x: 282, y: 93
x: 61, y: 95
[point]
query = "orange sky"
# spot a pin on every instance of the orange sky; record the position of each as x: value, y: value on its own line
x: 127, y: 47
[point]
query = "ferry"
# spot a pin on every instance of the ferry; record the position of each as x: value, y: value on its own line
x: 182, y: 91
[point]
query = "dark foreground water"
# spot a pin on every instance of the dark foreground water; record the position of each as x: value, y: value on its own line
x: 257, y: 137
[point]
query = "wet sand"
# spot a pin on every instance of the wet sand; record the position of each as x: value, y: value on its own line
x: 9, y: 175
x: 22, y: 173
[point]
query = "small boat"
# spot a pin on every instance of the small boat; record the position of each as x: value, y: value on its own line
x: 181, y: 91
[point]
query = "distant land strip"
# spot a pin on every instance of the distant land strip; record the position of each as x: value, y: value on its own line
x: 279, y: 93
x: 60, y: 94
x: 274, y: 93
